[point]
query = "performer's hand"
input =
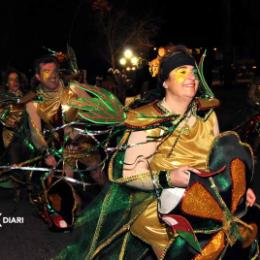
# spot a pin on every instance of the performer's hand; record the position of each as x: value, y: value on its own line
x: 50, y: 161
x: 250, y: 197
x: 181, y: 176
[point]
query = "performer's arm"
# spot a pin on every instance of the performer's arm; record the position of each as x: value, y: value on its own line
x: 137, y: 159
x: 136, y: 164
x: 35, y: 127
x: 36, y: 133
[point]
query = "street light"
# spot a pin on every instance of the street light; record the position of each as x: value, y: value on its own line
x: 129, y: 60
x: 122, y: 61
x: 128, y: 53
x: 134, y: 60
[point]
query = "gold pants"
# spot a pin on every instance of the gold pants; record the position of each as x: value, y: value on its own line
x: 149, y: 229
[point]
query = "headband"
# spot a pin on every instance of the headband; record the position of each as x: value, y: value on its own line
x: 173, y: 62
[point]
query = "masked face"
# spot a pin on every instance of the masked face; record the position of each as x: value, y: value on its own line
x: 13, y: 82
x: 182, y: 82
x: 48, y: 76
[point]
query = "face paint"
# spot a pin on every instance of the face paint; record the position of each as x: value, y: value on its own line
x: 48, y: 73
x: 182, y: 82
x: 181, y: 74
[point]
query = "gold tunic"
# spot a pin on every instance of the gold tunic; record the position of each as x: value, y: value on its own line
x: 192, y: 149
x: 53, y: 101
x: 54, y: 110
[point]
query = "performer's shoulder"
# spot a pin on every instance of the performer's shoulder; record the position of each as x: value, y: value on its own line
x: 146, y: 115
x: 149, y: 109
x: 205, y: 108
x: 31, y: 105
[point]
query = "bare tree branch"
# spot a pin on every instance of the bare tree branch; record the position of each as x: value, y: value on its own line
x: 121, y: 29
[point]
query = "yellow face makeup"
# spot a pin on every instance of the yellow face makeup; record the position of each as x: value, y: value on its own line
x: 45, y: 74
x: 181, y: 73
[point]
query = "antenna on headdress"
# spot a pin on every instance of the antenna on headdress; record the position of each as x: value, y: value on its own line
x: 207, y: 90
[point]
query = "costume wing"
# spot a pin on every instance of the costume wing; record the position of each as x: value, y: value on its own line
x: 102, y: 107
x: 72, y: 59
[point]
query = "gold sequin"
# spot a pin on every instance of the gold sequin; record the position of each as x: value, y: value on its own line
x: 200, y: 203
x: 213, y: 249
x: 238, y: 174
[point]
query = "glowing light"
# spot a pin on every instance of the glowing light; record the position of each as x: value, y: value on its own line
x: 128, y: 53
x: 122, y: 61
x: 130, y: 61
x: 134, y: 60
x: 215, y: 49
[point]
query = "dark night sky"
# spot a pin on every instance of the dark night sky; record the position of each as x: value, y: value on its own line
x: 194, y: 23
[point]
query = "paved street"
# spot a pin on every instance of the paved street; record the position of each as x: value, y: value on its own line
x: 28, y: 240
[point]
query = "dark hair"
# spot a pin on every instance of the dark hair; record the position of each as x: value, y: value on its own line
x: 23, y: 81
x: 44, y: 60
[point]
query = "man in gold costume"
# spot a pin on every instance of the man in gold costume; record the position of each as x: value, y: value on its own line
x: 170, y: 145
x: 50, y: 113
